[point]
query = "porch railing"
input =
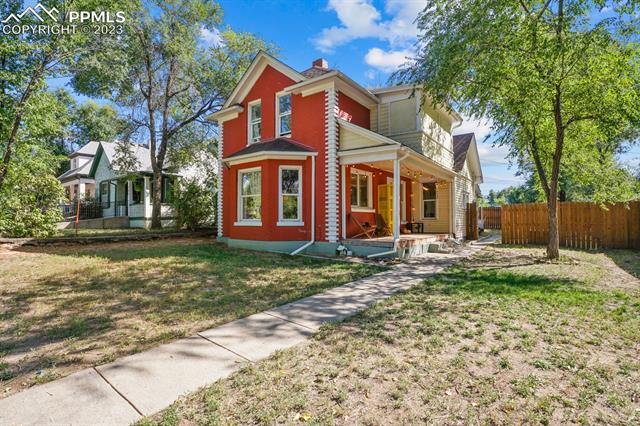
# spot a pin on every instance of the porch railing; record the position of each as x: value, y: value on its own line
x: 87, y: 210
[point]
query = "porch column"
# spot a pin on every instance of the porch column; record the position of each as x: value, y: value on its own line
x: 396, y: 199
x: 81, y: 190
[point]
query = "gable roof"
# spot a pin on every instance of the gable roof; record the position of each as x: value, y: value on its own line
x: 280, y: 145
x: 108, y: 149
x: 252, y: 73
x: 461, y: 145
x: 87, y: 150
x: 82, y: 171
x: 465, y: 147
x: 315, y: 71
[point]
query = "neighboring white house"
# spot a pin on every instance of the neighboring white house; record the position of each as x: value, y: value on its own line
x: 123, y: 195
x: 76, y: 180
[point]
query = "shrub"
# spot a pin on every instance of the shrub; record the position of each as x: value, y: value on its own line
x: 29, y: 200
x: 193, y: 204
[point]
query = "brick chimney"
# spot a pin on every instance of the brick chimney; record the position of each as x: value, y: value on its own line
x: 320, y: 63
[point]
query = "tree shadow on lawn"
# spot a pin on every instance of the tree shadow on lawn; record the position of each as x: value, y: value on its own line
x: 628, y: 260
x: 128, y: 299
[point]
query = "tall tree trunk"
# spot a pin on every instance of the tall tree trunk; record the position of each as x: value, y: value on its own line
x: 156, y: 207
x: 553, y: 245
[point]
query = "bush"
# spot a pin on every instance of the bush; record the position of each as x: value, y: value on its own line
x: 193, y: 204
x: 29, y: 200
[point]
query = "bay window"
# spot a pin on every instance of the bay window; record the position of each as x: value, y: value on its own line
x: 290, y: 195
x: 249, y: 196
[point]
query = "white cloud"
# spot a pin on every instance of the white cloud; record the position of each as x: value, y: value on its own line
x: 387, y: 61
x: 360, y: 19
x: 211, y: 37
x: 481, y: 127
x: 371, y: 74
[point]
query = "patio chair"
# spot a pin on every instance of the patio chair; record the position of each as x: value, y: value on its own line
x: 383, y: 228
x: 366, y: 229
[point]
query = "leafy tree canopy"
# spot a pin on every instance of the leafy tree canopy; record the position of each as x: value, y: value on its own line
x: 559, y: 80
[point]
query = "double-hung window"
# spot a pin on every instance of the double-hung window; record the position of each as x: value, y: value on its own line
x: 255, y: 121
x: 104, y: 194
x: 283, y: 115
x: 290, y: 195
x: 249, y: 196
x: 429, y: 200
x: 360, y: 189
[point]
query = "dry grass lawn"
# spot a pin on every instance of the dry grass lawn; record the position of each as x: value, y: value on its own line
x: 66, y: 308
x: 504, y: 338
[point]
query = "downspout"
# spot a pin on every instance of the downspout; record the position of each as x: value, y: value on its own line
x: 395, y: 241
x: 313, y: 208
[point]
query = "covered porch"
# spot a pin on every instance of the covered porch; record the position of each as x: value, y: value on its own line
x: 393, y: 198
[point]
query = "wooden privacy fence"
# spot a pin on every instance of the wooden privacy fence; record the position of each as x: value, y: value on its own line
x: 472, y: 221
x: 490, y: 216
x: 581, y: 225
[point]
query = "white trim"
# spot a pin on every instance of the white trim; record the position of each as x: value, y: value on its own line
x: 369, y: 207
x: 422, y: 200
x: 297, y: 223
x: 254, y: 71
x: 281, y: 219
x: 250, y: 123
x: 337, y: 81
x: 343, y: 200
x: 220, y: 177
x: 396, y: 199
x: 331, y: 164
x: 269, y: 155
x: 226, y: 114
x: 277, y: 110
x: 363, y: 209
x: 239, y: 220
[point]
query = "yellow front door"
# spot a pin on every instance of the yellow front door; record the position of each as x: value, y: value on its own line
x: 385, y: 203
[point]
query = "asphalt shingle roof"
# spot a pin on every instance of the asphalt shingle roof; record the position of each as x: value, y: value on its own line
x: 461, y: 145
x: 276, y: 144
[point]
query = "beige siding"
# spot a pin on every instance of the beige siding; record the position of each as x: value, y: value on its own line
x: 464, y: 184
x: 351, y: 140
x: 402, y: 116
x: 383, y: 119
x: 441, y: 223
x: 373, y: 118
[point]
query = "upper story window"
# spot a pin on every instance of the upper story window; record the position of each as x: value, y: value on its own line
x: 255, y: 121
x: 283, y: 114
x: 360, y: 189
x: 429, y: 200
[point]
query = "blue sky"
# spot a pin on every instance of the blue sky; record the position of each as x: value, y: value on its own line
x: 366, y: 39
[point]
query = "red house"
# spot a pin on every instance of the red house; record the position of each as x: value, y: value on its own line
x: 312, y: 161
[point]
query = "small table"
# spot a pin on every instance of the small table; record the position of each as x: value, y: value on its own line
x: 415, y: 227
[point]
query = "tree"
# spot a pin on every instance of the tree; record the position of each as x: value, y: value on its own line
x: 556, y: 78
x: 95, y: 122
x: 193, y: 204
x: 28, y: 59
x: 167, y: 77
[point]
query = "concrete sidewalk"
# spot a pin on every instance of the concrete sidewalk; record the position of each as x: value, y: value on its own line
x: 145, y: 383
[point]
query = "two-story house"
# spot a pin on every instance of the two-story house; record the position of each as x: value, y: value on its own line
x: 76, y: 180
x: 312, y: 161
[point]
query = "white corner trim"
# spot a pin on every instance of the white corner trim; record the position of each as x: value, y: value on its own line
x: 220, y: 176
x: 331, y: 164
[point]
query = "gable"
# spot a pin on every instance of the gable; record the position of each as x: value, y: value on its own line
x: 255, y: 70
